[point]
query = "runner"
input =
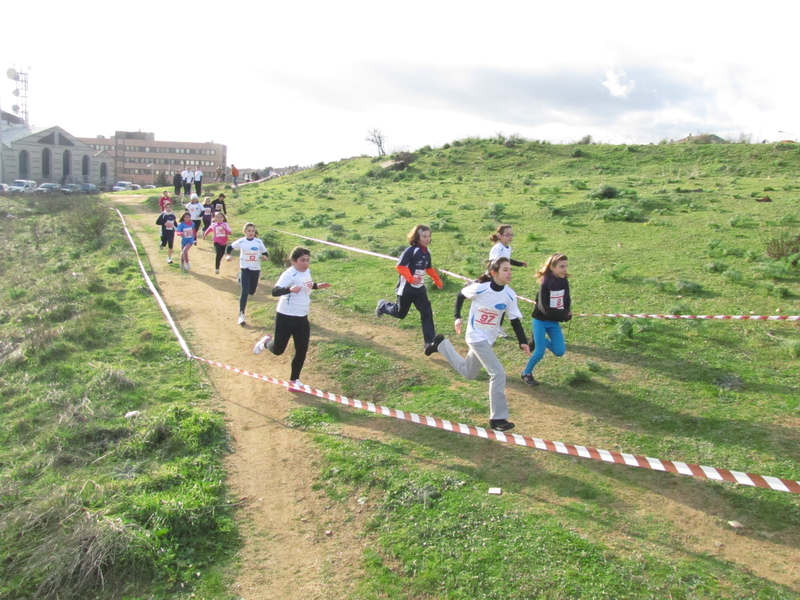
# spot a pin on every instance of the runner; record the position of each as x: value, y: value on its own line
x: 252, y: 252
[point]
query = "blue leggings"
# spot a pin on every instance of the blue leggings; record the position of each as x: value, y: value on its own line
x: 555, y: 343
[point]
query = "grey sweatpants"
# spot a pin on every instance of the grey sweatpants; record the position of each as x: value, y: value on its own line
x: 481, y: 355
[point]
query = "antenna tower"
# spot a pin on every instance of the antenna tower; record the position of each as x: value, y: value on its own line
x: 21, y: 91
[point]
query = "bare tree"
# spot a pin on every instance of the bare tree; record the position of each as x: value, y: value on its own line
x: 376, y: 136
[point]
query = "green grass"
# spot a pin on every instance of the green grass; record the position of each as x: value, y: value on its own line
x: 681, y: 235
x: 648, y: 229
x: 94, y: 503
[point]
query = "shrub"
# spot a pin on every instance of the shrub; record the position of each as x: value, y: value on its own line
x: 603, y: 191
x: 85, y: 218
x: 494, y: 211
x: 733, y: 275
x: 783, y: 243
x: 624, y: 213
x: 684, y: 286
x: 715, y: 267
x: 578, y: 377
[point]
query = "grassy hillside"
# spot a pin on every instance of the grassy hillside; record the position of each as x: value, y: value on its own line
x: 94, y: 501
x: 656, y: 229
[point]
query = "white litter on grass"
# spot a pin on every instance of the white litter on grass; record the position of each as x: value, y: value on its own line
x: 131, y: 414
x: 495, y: 491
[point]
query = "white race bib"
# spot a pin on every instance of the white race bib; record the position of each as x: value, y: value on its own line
x: 557, y: 299
x: 487, y: 318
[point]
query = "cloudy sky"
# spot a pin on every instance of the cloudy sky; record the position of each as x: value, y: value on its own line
x: 301, y: 82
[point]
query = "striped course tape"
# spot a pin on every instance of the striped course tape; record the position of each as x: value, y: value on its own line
x: 457, y: 276
x: 717, y: 317
x: 631, y: 460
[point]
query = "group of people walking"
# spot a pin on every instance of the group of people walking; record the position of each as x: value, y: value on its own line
x: 491, y: 297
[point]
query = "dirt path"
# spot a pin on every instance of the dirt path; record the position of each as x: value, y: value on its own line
x: 296, y: 543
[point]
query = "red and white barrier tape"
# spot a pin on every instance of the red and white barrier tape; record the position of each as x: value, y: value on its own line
x: 708, y: 317
x: 631, y: 460
x: 457, y: 276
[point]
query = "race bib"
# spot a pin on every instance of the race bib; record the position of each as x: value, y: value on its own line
x: 557, y: 299
x: 487, y: 318
x: 250, y: 256
x: 219, y: 231
x: 207, y: 210
x: 169, y: 225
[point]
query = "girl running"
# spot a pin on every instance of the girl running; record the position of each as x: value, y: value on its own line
x: 491, y: 298
x: 552, y: 307
x: 293, y: 289
x: 412, y: 266
x: 196, y: 210
x: 168, y: 221
x: 503, y: 237
x: 188, y: 233
x: 251, y: 252
x: 208, y: 212
x: 162, y: 202
x: 221, y: 231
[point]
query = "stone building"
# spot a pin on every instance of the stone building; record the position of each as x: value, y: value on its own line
x: 50, y: 155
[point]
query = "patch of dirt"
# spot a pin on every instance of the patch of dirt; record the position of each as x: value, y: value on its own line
x: 297, y: 544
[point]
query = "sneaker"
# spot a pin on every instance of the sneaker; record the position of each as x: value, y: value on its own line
x: 528, y: 378
x: 261, y: 344
x: 502, y: 334
x: 228, y: 257
x: 297, y: 383
x: 216, y: 271
x: 500, y: 424
x: 241, y: 319
x: 169, y: 261
x: 187, y: 267
x: 434, y: 346
x: 379, y: 308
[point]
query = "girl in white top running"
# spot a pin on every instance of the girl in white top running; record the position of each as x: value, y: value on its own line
x: 251, y: 252
x: 293, y: 289
x: 503, y: 237
x: 491, y: 299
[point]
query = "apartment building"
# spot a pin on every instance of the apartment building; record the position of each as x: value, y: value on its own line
x: 140, y: 158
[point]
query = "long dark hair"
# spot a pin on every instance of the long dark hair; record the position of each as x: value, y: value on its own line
x: 546, y: 270
x: 493, y: 266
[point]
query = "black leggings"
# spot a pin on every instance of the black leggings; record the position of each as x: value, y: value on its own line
x: 220, y: 249
x: 249, y: 286
x: 419, y: 298
x: 298, y: 328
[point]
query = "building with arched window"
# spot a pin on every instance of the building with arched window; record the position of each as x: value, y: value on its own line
x: 51, y: 155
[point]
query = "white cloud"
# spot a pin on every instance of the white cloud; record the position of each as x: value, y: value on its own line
x: 614, y: 84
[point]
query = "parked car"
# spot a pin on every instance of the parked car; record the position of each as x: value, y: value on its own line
x: 122, y: 186
x: 89, y: 188
x: 71, y: 188
x: 136, y: 186
x: 149, y: 187
x: 24, y: 186
x: 47, y: 188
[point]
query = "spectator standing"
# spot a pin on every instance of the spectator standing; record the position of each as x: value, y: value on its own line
x: 234, y: 174
x: 198, y: 180
x: 187, y: 177
x: 177, y: 182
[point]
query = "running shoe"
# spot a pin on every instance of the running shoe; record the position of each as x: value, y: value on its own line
x: 434, y: 346
x: 216, y: 271
x: 379, y: 308
x: 500, y: 424
x: 261, y: 344
x: 528, y: 378
x: 169, y: 261
x: 241, y: 319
